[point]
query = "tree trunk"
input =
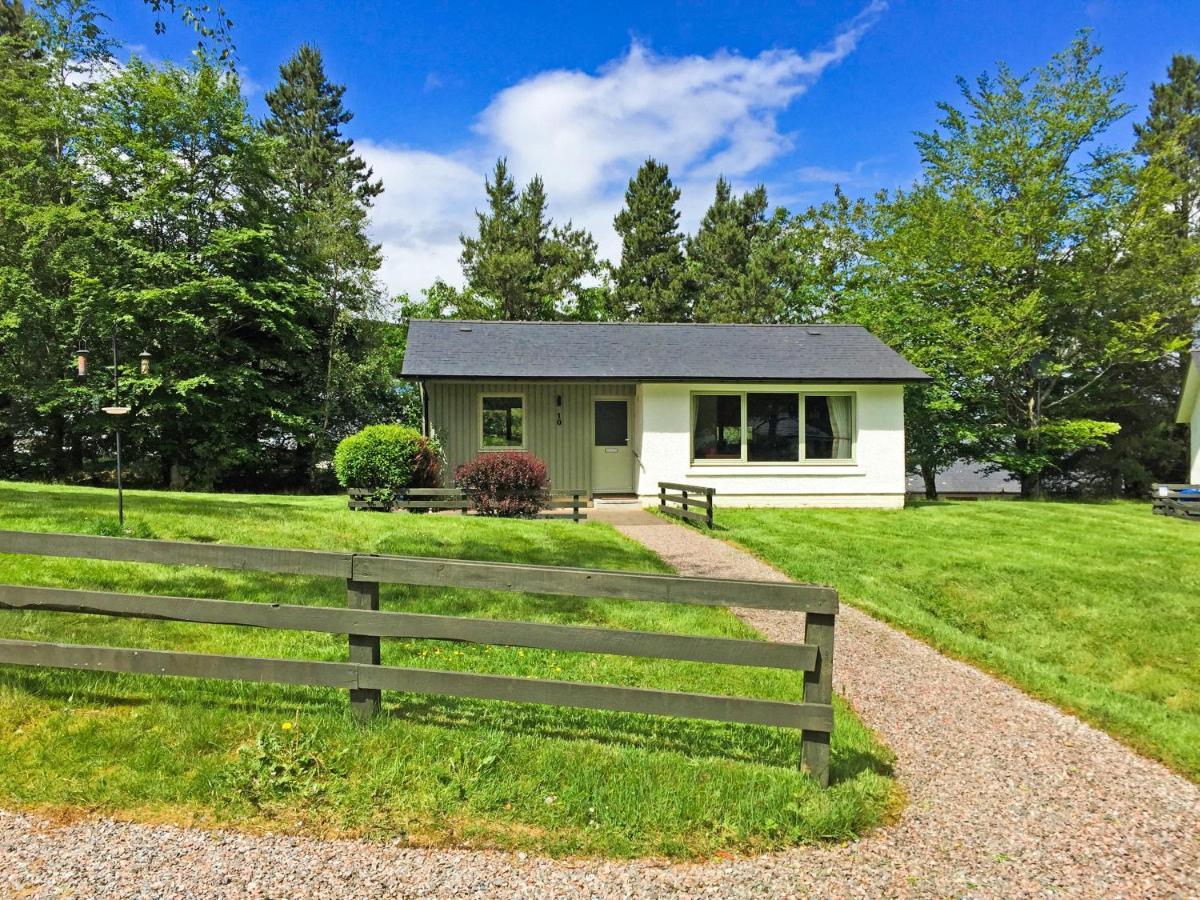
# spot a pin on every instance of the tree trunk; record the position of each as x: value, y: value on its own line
x: 1118, y: 488
x: 58, y: 453
x: 8, y: 438
x: 77, y: 451
x: 929, y: 476
x: 1031, y: 486
x: 176, y: 482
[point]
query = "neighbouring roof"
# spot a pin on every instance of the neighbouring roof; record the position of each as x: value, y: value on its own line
x: 441, y: 348
x: 1191, y: 384
x: 969, y: 476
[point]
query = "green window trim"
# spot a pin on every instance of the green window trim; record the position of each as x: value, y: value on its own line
x: 715, y: 419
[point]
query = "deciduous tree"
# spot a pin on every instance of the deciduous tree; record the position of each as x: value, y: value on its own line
x: 1055, y: 263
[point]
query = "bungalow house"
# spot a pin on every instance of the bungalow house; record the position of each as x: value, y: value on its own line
x: 1189, y: 412
x: 768, y: 415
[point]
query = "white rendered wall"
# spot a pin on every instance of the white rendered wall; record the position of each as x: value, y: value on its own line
x: 875, y: 477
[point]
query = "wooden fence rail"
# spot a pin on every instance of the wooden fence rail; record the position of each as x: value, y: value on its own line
x: 682, y: 501
x: 563, y: 504
x: 365, y: 624
x: 1180, y: 500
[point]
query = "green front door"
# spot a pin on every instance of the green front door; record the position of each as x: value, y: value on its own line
x: 612, y: 457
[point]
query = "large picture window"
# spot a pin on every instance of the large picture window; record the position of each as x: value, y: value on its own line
x: 772, y: 427
x: 503, y: 425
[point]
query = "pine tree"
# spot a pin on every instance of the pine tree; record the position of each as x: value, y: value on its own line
x: 328, y: 190
x: 1149, y: 446
x: 498, y: 263
x: 719, y: 258
x: 649, y: 282
x: 1171, y: 134
x: 521, y: 265
x: 307, y: 114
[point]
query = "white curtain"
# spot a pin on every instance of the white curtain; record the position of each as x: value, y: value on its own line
x: 841, y: 421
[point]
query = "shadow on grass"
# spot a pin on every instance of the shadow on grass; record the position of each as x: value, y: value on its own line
x: 691, y: 738
x: 614, y: 556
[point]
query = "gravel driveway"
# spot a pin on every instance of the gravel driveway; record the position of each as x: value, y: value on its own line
x: 1007, y: 797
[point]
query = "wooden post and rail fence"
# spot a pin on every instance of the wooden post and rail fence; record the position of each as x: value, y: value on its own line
x: 692, y: 502
x: 1180, y: 500
x: 365, y: 624
x: 562, y: 504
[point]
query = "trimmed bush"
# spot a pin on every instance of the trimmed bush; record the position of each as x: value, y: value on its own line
x: 505, y: 483
x: 387, y: 459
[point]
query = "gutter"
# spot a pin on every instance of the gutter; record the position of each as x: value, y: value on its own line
x: 424, y: 407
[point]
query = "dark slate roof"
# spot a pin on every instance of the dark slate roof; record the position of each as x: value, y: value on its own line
x: 651, y: 352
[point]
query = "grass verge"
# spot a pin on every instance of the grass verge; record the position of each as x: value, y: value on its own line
x: 1092, y: 606
x: 431, y: 771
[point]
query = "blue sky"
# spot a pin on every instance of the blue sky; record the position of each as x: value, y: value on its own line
x: 797, y: 95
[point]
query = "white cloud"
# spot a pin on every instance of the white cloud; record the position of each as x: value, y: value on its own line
x: 586, y: 134
x: 250, y: 86
x: 428, y: 199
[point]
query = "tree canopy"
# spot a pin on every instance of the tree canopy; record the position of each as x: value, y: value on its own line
x: 144, y: 201
x: 1045, y: 275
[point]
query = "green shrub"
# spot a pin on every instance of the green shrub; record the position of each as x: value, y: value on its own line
x: 386, y: 459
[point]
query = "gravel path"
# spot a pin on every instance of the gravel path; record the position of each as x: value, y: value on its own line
x: 1007, y: 797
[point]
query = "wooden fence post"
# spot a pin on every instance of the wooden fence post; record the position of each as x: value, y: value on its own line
x: 364, y: 702
x: 575, y: 507
x: 708, y: 495
x: 662, y: 497
x: 818, y: 688
x: 684, y: 504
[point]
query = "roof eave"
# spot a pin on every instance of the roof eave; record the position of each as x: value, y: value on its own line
x: 683, y: 379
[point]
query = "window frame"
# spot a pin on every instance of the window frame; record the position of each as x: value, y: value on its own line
x: 524, y: 421
x: 744, y: 461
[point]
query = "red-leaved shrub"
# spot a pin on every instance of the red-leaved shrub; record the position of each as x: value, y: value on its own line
x: 504, y: 483
x: 427, y: 465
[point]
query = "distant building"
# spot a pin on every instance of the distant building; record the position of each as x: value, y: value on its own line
x: 969, y: 479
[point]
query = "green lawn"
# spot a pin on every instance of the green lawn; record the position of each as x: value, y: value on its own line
x: 431, y: 770
x: 1095, y: 607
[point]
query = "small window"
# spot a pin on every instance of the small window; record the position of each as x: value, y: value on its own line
x: 503, y: 422
x: 828, y: 427
x: 717, y: 433
x: 772, y: 427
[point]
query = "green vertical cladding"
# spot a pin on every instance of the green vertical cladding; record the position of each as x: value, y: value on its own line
x: 566, y: 448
